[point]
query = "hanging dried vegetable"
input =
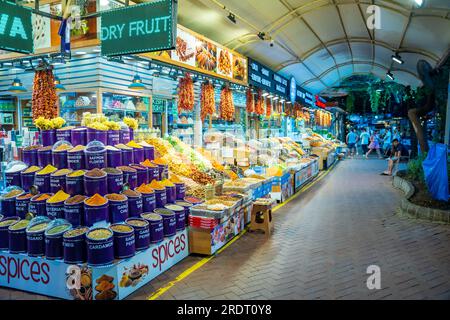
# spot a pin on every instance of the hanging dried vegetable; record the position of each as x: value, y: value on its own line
x: 44, y: 97
x: 259, y: 106
x: 186, y: 98
x: 250, y: 101
x: 268, y: 107
x: 226, y: 104
x: 207, y: 100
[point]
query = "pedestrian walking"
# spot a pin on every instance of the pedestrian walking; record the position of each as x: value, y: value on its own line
x: 364, y: 138
x: 374, y: 145
x: 352, y: 139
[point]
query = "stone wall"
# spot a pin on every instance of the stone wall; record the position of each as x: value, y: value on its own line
x: 409, y: 209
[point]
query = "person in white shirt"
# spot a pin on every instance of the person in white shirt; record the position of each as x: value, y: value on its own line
x: 364, y: 137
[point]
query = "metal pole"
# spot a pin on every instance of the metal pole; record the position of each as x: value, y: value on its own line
x: 447, y: 119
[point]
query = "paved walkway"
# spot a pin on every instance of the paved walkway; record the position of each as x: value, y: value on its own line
x: 323, y: 243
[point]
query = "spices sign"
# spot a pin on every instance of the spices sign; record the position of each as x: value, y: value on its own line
x: 139, y: 28
x: 16, y: 32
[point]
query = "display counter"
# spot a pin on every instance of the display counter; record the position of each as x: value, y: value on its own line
x: 58, y: 279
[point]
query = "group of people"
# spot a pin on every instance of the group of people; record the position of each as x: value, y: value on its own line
x: 387, y: 141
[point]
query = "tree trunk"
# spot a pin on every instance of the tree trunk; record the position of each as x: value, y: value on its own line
x: 414, y: 116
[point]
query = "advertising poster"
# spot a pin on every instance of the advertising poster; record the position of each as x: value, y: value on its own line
x: 41, y: 29
x: 224, y: 60
x: 185, y: 48
x: 205, y: 56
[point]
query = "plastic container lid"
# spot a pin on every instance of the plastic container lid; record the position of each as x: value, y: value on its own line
x: 57, y: 227
x: 15, y: 166
x: 151, y: 216
x: 36, y: 221
x: 95, y: 146
x: 60, y: 143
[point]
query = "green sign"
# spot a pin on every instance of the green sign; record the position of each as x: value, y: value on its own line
x: 145, y: 27
x: 158, y: 105
x: 16, y: 32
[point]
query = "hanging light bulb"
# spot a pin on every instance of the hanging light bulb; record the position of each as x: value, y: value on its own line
x: 17, y: 86
x: 136, y: 84
x: 58, y: 85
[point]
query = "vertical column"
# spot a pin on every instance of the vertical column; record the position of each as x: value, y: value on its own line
x: 447, y: 119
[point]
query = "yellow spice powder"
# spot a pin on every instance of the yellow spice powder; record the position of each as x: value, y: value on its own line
x: 62, y: 172
x: 76, y: 173
x: 48, y: 169
x: 63, y: 147
x: 58, y: 197
x: 77, y: 148
x: 133, y: 144
x: 32, y: 169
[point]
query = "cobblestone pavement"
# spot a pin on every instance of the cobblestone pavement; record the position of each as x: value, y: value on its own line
x: 324, y: 240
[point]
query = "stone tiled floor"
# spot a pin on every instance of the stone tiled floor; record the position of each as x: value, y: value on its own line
x: 323, y: 243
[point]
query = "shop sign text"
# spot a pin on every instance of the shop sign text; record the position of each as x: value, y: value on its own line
x: 139, y: 28
x: 16, y: 32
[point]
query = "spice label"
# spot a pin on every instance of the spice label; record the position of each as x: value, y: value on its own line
x: 22, y: 206
x: 55, y: 212
x: 96, y: 160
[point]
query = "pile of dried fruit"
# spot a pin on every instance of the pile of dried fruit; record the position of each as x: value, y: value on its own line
x: 259, y: 105
x: 268, y: 107
x: 207, y: 100
x: 250, y: 101
x: 186, y: 98
x: 44, y: 97
x: 226, y: 104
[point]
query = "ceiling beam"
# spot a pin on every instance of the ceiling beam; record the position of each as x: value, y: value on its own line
x: 310, y: 29
x: 368, y: 62
x: 380, y: 43
x: 319, y: 4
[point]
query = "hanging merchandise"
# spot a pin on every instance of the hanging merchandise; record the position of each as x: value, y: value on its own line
x: 259, y: 106
x: 207, y: 100
x: 44, y: 94
x: 250, y: 101
x: 268, y: 107
x: 226, y: 104
x: 186, y: 94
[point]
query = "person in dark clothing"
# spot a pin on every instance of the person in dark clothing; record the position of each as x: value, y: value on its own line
x: 396, y: 152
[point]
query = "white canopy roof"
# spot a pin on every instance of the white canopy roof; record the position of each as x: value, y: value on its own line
x: 321, y: 42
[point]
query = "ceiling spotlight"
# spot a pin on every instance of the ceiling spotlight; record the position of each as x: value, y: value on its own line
x: 390, y: 75
x: 261, y: 35
x: 232, y: 17
x: 419, y: 2
x: 397, y: 58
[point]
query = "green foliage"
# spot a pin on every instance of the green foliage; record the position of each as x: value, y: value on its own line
x: 415, y: 170
x: 350, y: 103
x: 375, y: 98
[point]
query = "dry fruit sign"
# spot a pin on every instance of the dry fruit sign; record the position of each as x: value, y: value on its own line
x: 16, y: 33
x: 139, y: 28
